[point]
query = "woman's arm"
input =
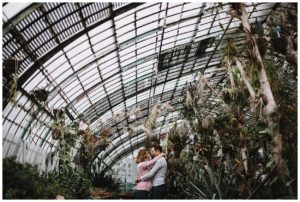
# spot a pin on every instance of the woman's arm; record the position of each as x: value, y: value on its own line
x: 152, y: 162
x: 152, y: 172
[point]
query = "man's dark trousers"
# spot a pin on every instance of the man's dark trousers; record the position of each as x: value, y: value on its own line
x: 158, y: 192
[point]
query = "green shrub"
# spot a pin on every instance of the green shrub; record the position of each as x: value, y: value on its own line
x: 72, y: 183
x: 24, y: 181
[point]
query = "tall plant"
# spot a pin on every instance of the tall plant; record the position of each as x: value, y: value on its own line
x: 242, y: 156
x: 270, y: 108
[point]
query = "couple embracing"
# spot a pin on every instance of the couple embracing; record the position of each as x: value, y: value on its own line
x: 151, y: 174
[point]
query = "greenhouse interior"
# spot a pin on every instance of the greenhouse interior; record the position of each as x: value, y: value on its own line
x: 143, y: 100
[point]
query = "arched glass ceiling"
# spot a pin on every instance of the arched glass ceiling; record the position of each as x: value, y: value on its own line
x: 103, y: 59
x: 12, y: 9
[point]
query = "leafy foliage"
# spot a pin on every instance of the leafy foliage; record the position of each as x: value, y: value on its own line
x: 70, y: 182
x: 40, y: 94
x: 106, y: 181
x: 13, y: 88
x: 25, y: 181
x: 233, y: 157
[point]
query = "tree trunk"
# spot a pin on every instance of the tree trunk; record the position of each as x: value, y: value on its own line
x: 268, y: 97
x: 245, y: 79
x: 244, y: 157
x: 265, y: 87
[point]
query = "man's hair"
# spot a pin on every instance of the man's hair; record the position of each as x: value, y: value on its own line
x: 157, y: 147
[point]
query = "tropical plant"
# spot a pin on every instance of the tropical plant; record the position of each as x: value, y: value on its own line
x: 23, y: 181
x: 242, y: 153
x: 282, y: 23
x: 40, y: 94
x: 11, y: 66
x: 102, y: 180
x: 13, y: 88
x: 70, y: 182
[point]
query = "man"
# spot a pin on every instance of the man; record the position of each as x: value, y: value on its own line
x: 157, y: 174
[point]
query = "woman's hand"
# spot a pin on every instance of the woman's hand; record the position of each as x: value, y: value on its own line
x: 161, y: 155
x: 137, y: 180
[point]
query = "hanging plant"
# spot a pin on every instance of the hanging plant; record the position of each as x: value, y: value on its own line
x: 67, y: 134
x: 59, y: 114
x: 178, y: 137
x: 57, y: 130
x: 11, y: 65
x: 70, y: 135
x: 100, y: 147
x: 207, y: 121
x: 58, y: 125
x: 13, y: 88
x: 154, y: 114
x: 66, y: 143
x: 92, y: 144
x: 134, y: 113
x: 105, y: 134
x: 86, y: 153
x: 235, y: 97
x: 279, y: 44
x: 40, y: 94
x: 257, y: 28
x: 237, y: 75
x: 188, y: 100
x: 290, y: 58
x: 104, y: 141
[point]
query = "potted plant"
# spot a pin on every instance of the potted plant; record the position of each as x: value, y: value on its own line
x: 101, y: 146
x: 59, y: 113
x: 279, y: 44
x: 11, y: 65
x: 58, y: 128
x: 58, y: 124
x: 257, y: 28
x: 40, y: 94
x: 13, y: 88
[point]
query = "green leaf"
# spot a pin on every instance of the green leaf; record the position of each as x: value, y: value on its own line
x: 221, y: 26
x: 266, y: 131
x: 270, y: 163
x: 63, y: 142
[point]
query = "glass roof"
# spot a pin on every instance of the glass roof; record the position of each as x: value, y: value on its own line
x: 9, y: 10
x: 103, y: 59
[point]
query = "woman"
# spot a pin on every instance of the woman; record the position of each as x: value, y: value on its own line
x: 142, y: 189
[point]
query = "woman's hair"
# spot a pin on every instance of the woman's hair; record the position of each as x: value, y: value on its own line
x: 142, y: 155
